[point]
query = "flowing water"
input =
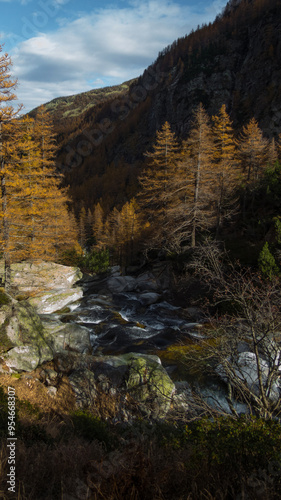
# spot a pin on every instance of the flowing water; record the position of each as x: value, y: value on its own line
x: 121, y: 322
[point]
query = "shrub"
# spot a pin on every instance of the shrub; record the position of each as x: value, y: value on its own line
x: 92, y: 428
x: 267, y: 262
x: 95, y: 261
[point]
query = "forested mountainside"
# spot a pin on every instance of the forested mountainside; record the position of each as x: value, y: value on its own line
x: 233, y: 61
x: 68, y: 112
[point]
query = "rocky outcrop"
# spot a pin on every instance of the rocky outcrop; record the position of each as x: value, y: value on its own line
x: 23, y: 344
x: 139, y: 380
x: 245, y: 371
x: 149, y: 284
x: 49, y: 302
x: 26, y: 339
x: 38, y: 276
x: 48, y: 285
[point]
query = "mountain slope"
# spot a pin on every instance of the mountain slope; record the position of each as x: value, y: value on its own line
x: 234, y: 61
x: 67, y: 107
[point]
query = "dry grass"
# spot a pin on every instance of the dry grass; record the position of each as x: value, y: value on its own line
x: 55, y: 460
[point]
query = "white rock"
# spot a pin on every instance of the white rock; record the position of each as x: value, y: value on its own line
x: 49, y: 302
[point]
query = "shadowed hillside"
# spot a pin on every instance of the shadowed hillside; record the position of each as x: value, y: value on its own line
x: 233, y: 61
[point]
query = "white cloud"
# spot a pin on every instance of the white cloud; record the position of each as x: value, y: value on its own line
x: 108, y: 45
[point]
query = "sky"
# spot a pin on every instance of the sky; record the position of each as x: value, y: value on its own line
x: 65, y: 47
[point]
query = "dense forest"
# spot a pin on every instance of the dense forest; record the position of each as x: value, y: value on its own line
x: 107, y: 142
x: 212, y: 183
x: 188, y: 149
x: 35, y: 219
x: 234, y: 61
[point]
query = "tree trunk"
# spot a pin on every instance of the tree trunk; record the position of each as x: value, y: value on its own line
x: 7, y: 260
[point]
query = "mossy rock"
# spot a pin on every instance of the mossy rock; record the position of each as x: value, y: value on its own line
x: 4, y: 298
x: 5, y: 341
x: 149, y: 383
x: 177, y: 352
x: 27, y: 357
x: 21, y: 337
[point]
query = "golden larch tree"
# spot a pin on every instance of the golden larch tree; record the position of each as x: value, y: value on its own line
x: 252, y: 147
x: 98, y: 226
x: 156, y: 181
x: 7, y: 114
x: 191, y: 191
x: 226, y: 167
x: 252, y: 151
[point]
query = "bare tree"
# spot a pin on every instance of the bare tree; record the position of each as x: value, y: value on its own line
x: 245, y: 350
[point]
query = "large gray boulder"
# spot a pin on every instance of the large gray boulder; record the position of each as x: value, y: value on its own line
x: 149, y: 383
x: 23, y: 344
x: 140, y: 378
x: 27, y: 342
x: 48, y: 286
x: 38, y: 276
x: 26, y: 358
x: 245, y: 371
x: 119, y: 284
x: 70, y: 336
x: 49, y: 302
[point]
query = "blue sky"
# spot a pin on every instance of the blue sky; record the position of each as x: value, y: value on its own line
x: 64, y: 47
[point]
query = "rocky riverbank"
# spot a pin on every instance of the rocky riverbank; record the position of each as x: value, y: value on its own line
x: 41, y: 339
x: 117, y: 342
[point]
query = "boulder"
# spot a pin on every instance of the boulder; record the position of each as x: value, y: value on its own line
x: 22, y: 341
x: 119, y: 284
x: 27, y: 342
x: 149, y: 298
x: 26, y: 358
x: 149, y: 383
x: 47, y: 285
x: 245, y: 369
x: 22, y: 325
x: 38, y: 276
x: 146, y: 282
x: 139, y: 379
x: 69, y: 336
x: 49, y: 302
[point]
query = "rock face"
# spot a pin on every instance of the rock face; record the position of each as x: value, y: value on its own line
x: 36, y: 277
x: 48, y: 284
x: 245, y: 369
x: 150, y: 284
x: 139, y: 379
x: 49, y: 302
x: 26, y: 340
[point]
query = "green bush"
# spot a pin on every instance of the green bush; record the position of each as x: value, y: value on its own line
x: 92, y: 428
x: 240, y: 444
x: 95, y: 261
x: 267, y: 263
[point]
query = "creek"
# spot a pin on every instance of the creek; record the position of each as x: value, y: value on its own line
x: 134, y: 314
x: 130, y: 320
